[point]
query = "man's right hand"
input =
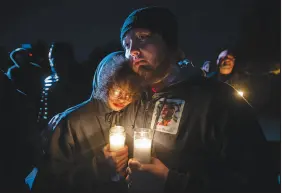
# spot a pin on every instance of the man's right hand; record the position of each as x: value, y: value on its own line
x: 117, y: 159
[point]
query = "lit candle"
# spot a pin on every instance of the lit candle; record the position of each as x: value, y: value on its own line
x: 117, y: 138
x: 142, y: 145
x: 142, y: 150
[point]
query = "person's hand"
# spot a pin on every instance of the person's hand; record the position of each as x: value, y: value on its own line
x: 117, y: 159
x: 156, y: 168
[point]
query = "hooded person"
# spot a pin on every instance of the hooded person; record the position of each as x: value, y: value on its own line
x: 76, y: 149
x: 229, y: 71
x: 205, y: 138
x: 225, y: 68
x: 64, y: 87
x: 26, y: 75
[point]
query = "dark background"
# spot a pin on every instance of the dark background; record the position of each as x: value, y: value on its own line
x: 251, y: 26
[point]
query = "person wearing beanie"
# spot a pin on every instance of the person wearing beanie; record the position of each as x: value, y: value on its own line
x: 212, y: 141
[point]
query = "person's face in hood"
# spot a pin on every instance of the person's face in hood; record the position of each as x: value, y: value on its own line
x: 119, y: 97
x: 148, y: 53
x: 226, y: 62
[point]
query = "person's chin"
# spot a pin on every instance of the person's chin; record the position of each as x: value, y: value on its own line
x: 117, y: 109
x: 226, y: 71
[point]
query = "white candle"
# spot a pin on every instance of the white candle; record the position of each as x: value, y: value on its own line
x: 142, y: 150
x: 116, y: 141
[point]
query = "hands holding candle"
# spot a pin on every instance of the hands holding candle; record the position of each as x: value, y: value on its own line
x: 116, y: 153
x: 145, y: 173
x: 117, y: 159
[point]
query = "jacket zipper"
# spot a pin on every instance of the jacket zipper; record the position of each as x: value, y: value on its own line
x: 146, y: 113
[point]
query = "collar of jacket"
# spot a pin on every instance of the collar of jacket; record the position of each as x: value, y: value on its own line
x: 189, y: 76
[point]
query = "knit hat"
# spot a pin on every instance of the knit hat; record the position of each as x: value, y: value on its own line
x: 114, y: 68
x: 156, y: 19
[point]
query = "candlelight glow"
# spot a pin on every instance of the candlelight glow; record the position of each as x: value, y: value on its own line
x: 241, y: 93
x: 142, y: 150
x: 117, y: 138
x: 117, y: 141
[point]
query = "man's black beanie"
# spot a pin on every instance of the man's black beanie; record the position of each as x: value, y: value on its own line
x: 156, y: 19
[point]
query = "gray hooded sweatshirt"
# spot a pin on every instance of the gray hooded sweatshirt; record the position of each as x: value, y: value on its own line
x: 74, y: 161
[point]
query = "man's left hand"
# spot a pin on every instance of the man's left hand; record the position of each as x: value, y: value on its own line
x: 156, y: 168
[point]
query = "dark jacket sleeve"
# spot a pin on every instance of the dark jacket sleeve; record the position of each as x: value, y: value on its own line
x: 69, y: 170
x: 236, y: 160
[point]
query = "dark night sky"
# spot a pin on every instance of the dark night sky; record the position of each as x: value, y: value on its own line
x: 253, y: 26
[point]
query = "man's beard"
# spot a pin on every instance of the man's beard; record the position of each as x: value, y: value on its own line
x: 151, y: 75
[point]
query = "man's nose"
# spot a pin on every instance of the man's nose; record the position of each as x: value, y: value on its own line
x: 135, y: 54
x: 134, y: 50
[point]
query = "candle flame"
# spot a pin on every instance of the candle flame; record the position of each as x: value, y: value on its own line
x: 241, y: 93
x: 117, y: 139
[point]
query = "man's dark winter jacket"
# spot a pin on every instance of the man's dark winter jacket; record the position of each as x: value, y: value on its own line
x: 206, y: 135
